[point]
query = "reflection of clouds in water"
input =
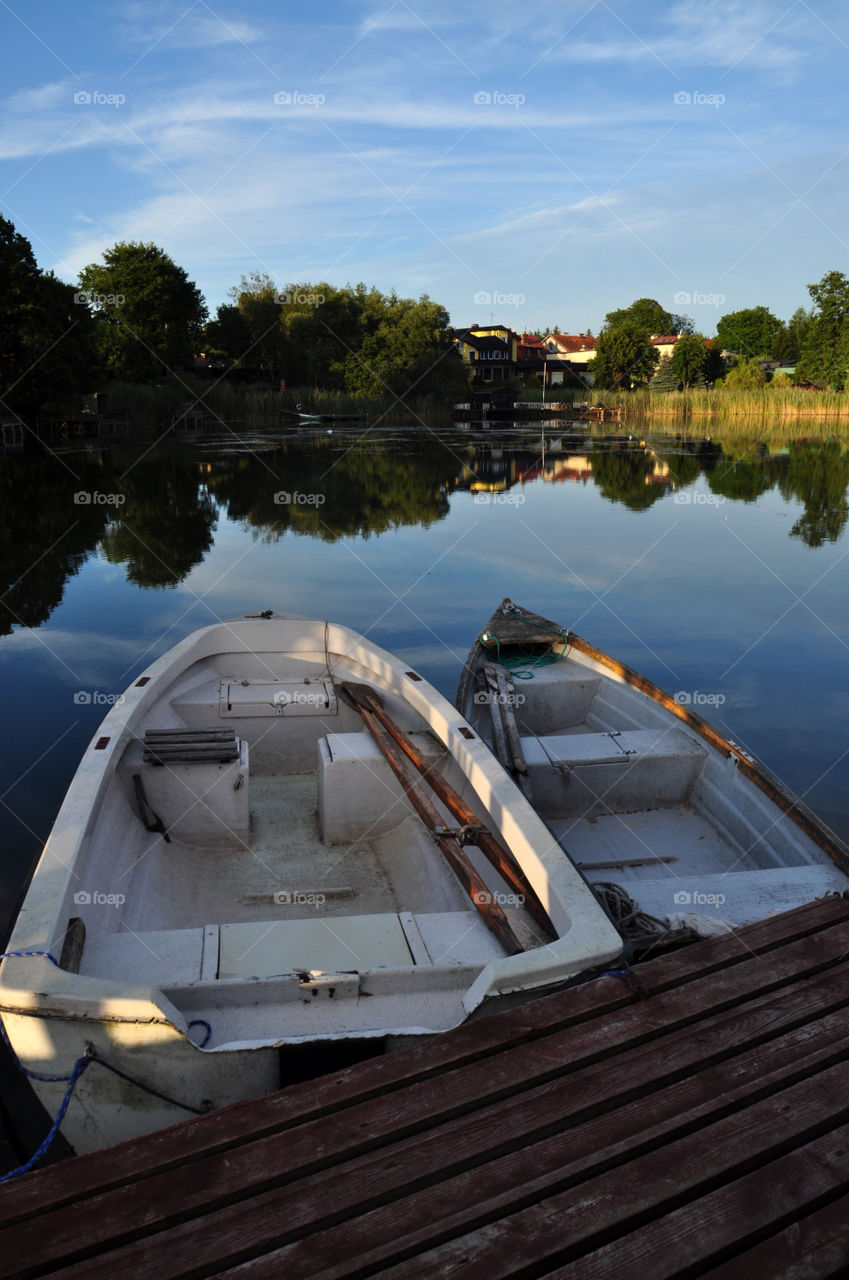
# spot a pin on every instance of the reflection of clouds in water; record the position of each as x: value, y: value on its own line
x: 82, y: 651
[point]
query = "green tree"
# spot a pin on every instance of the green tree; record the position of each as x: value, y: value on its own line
x: 688, y: 360
x: 624, y: 355
x: 322, y: 326
x: 682, y: 324
x: 408, y: 353
x: 825, y: 351
x: 750, y: 332
x: 788, y: 344
x: 150, y: 313
x: 745, y: 376
x: 666, y: 379
x: 228, y: 334
x: 47, y: 342
x: 645, y: 312
x: 259, y: 301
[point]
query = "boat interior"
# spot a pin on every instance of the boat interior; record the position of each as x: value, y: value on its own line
x: 635, y: 796
x: 254, y: 847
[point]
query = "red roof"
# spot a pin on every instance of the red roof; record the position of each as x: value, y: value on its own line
x: 573, y: 341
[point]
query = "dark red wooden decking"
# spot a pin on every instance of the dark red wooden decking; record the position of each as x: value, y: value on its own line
x: 698, y: 1128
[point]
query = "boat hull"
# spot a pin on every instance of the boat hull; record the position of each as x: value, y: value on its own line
x: 642, y: 791
x: 288, y: 895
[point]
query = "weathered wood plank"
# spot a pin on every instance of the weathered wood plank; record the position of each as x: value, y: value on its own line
x: 567, y: 1225
x: 475, y: 1042
x: 812, y: 1248
x: 359, y: 1247
x: 356, y: 1180
x: 675, y: 1188
x: 729, y: 1218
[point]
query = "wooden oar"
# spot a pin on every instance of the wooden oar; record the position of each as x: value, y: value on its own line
x: 482, y: 899
x: 362, y: 696
x: 502, y: 695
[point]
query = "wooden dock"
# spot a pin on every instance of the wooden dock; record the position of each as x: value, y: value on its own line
x: 694, y: 1122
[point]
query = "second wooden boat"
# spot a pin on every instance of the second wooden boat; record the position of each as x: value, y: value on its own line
x: 676, y: 827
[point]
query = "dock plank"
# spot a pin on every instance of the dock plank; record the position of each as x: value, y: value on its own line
x: 475, y: 1041
x: 519, y: 1082
x: 579, y: 1134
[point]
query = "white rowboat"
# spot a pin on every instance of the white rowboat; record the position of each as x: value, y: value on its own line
x: 236, y: 870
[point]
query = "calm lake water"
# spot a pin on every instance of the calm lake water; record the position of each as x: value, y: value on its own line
x: 720, y: 572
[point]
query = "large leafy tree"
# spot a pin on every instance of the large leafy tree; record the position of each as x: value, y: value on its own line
x: 750, y: 332
x: 825, y: 351
x: 151, y: 314
x: 227, y: 334
x: 689, y: 359
x: 323, y: 325
x: 624, y: 355
x: 257, y: 298
x: 788, y: 344
x: 408, y: 353
x: 47, y: 346
x: 645, y: 312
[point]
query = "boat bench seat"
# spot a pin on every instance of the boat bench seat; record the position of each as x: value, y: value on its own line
x: 271, y: 948
x: 198, y: 785
x: 582, y: 775
x: 559, y: 695
x: 358, y: 794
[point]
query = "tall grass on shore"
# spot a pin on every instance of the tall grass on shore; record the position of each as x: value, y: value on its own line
x: 726, y: 404
x: 720, y: 404
x: 252, y: 407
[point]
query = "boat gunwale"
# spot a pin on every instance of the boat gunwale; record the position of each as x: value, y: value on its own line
x: 757, y: 773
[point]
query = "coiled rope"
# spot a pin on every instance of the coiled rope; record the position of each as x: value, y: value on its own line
x: 523, y: 668
x: 81, y: 1065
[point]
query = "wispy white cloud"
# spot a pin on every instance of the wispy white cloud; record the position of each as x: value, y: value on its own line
x: 186, y: 26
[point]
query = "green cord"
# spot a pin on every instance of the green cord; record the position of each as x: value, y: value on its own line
x: 523, y: 668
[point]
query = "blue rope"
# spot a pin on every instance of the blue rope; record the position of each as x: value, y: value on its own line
x: 201, y: 1022
x: 79, y: 1067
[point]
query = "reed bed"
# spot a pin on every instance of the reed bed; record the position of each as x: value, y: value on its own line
x: 721, y: 404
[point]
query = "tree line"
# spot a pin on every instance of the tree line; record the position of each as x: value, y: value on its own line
x: 136, y: 317
x: 815, y: 342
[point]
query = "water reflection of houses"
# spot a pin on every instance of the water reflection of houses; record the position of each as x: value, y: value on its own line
x: 497, y: 468
x: 11, y: 433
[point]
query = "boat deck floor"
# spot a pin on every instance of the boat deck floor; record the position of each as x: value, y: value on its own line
x: 689, y: 1118
x: 648, y: 844
x: 181, y: 887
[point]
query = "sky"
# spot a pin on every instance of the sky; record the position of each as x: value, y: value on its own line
x: 539, y: 165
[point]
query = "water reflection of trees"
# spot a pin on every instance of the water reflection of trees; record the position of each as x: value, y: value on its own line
x: 329, y: 495
x: 44, y: 536
x: 626, y: 477
x: 818, y: 475
x: 166, y: 524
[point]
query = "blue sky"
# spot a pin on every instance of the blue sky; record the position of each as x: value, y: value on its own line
x: 562, y: 158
